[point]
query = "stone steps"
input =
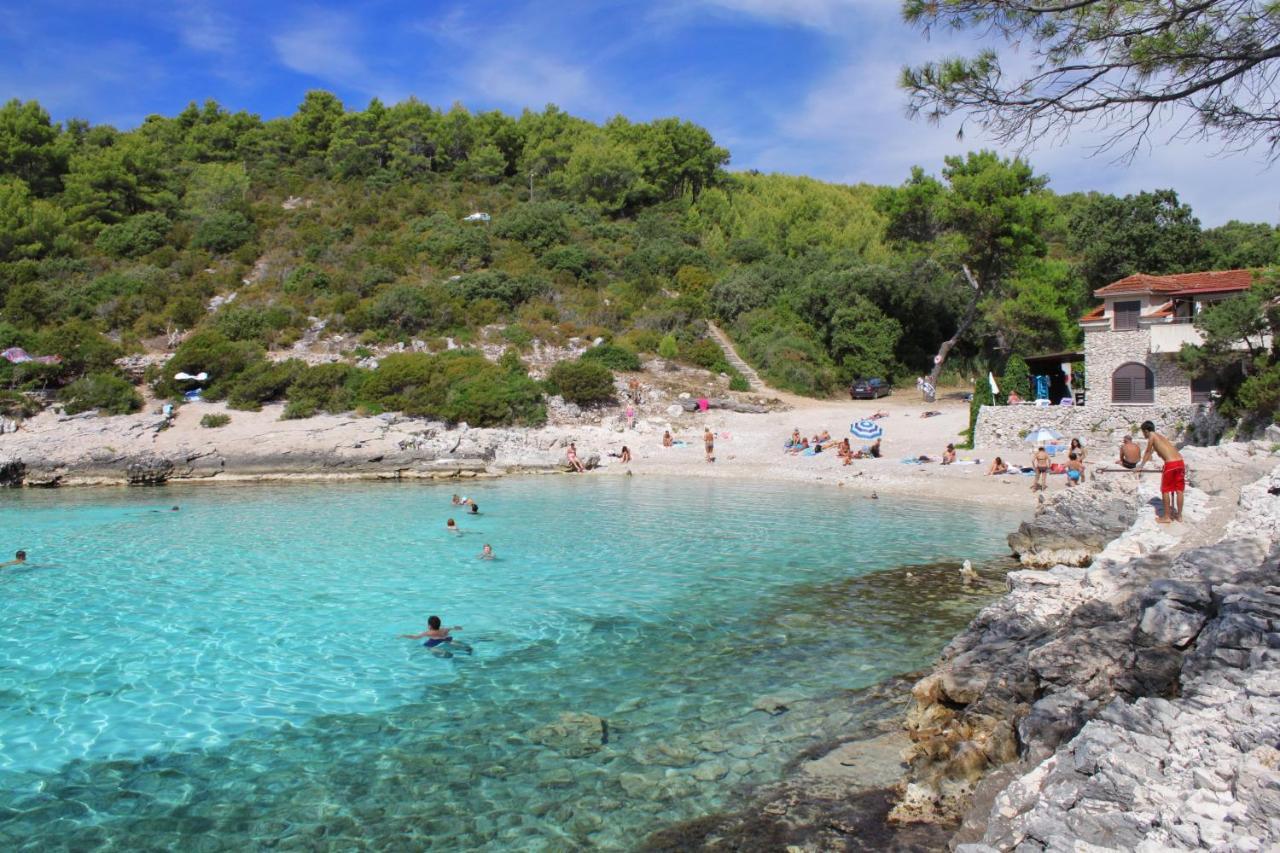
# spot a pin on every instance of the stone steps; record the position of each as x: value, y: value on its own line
x: 736, y: 361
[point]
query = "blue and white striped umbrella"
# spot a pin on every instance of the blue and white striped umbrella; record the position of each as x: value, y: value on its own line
x: 866, y: 429
x: 1043, y: 435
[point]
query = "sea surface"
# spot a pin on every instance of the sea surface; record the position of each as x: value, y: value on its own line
x: 230, y: 676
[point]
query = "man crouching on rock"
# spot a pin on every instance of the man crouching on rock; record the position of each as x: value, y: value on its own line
x: 1173, y: 482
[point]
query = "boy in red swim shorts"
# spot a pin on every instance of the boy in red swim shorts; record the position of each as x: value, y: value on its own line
x: 1173, y: 481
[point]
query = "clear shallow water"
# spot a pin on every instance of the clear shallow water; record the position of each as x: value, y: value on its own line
x: 229, y: 676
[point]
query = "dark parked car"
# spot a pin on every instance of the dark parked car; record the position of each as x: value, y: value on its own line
x: 869, y: 389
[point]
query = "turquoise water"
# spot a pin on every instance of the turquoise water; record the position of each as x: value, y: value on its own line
x: 230, y: 677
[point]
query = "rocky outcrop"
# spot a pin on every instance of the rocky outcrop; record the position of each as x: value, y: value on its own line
x: 12, y: 473
x: 149, y: 471
x: 1132, y: 704
x: 1073, y: 527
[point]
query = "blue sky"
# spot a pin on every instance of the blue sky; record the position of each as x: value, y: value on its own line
x: 796, y: 86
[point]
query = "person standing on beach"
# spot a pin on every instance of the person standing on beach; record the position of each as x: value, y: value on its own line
x: 1040, y: 463
x: 1173, y: 481
x: 709, y: 439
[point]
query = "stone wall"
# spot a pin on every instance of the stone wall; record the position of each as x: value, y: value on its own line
x: 1006, y: 426
x: 1105, y: 350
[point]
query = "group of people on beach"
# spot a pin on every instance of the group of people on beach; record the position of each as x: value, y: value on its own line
x: 822, y: 442
x: 1131, y: 457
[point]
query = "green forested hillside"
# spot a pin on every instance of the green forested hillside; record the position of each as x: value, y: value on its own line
x: 115, y: 242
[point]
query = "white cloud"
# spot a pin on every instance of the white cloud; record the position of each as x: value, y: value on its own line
x: 819, y: 14
x: 529, y: 80
x: 205, y: 29
x: 324, y: 48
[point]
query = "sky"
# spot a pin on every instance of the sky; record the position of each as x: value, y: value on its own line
x: 803, y: 87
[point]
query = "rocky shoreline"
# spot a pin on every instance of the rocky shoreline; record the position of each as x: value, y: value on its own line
x: 1126, y: 698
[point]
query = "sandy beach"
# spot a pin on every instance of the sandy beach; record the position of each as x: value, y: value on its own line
x: 87, y: 450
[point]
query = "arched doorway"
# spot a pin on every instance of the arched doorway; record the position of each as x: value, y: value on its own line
x: 1133, y: 383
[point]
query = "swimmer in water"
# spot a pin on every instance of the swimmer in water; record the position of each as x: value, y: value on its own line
x: 475, y: 508
x: 18, y: 559
x: 438, y: 636
x: 486, y: 553
x: 452, y: 526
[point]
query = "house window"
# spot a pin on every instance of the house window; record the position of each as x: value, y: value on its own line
x: 1202, y: 390
x: 1125, y: 316
x: 1133, y: 383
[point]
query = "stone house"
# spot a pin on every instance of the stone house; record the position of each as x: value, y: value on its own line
x: 1131, y: 343
x: 1131, y: 340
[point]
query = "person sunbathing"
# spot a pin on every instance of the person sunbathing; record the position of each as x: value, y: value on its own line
x: 799, y: 448
x: 998, y: 467
x: 878, y: 415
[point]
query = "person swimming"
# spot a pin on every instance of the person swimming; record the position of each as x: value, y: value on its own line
x: 438, y: 636
x: 18, y: 559
x: 452, y: 526
x: 475, y: 508
x: 486, y: 553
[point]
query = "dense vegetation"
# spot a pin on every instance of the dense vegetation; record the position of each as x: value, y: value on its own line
x: 354, y: 224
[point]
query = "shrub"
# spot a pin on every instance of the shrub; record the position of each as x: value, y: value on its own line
x: 136, y: 236
x: 262, y: 382
x: 323, y: 388
x: 738, y: 382
x: 1017, y: 377
x: 407, y: 308
x: 786, y: 351
x: 492, y: 284
x: 454, y: 386
x: 707, y: 354
x: 15, y: 404
x: 106, y: 392
x: 582, y: 382
x: 209, y: 351
x: 212, y: 421
x: 223, y: 232
x: 667, y: 347
x: 613, y: 357
x: 538, y: 225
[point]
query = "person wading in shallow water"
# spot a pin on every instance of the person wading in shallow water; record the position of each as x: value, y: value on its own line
x: 1173, y: 481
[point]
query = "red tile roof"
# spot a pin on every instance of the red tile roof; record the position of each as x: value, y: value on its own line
x: 1216, y: 281
x: 1165, y: 310
x: 1095, y: 315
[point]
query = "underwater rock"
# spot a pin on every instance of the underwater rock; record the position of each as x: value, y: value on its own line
x: 573, y: 735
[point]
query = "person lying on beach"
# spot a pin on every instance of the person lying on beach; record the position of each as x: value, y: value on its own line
x: 18, y: 559
x: 572, y: 455
x: 997, y: 467
x: 949, y: 455
x: 1075, y: 469
x: 822, y: 437
x: 878, y: 415
x: 438, y: 636
x: 667, y: 440
x: 799, y: 448
x: 486, y: 553
x: 930, y: 414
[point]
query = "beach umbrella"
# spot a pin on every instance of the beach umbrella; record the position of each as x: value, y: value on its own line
x: 866, y: 429
x: 1043, y: 435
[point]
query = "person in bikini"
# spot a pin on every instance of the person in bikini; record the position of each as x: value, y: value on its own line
x: 997, y: 467
x: 1040, y: 463
x: 438, y: 636
x: 1173, y: 481
x: 709, y: 440
x: 949, y: 455
x: 572, y: 455
x: 667, y: 441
